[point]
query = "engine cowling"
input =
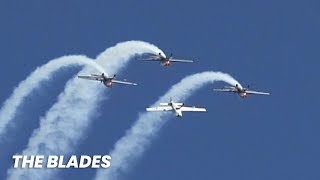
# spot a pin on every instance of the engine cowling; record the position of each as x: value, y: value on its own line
x: 244, y: 95
x: 166, y: 63
x: 108, y: 83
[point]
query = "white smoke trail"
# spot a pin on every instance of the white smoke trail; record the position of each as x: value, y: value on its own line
x: 131, y: 146
x: 34, y: 80
x: 67, y: 120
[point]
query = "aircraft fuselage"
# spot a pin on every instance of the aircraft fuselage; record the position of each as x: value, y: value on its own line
x: 241, y: 92
x: 164, y: 61
x: 176, y: 108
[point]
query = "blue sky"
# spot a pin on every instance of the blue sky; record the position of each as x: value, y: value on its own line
x: 272, y: 45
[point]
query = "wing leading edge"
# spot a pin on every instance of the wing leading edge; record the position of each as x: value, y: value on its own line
x: 192, y: 109
x: 181, y: 60
x: 160, y: 108
x: 225, y: 90
x: 124, y: 82
x: 91, y: 78
x: 257, y: 92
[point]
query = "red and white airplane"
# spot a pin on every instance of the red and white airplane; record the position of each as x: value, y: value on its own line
x: 165, y: 61
x: 177, y: 108
x: 242, y: 92
x: 107, y: 81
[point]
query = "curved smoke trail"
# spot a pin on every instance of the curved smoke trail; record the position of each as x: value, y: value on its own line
x: 11, y: 105
x: 67, y: 120
x: 138, y: 138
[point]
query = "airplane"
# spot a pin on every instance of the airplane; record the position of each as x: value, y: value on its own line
x: 165, y: 61
x: 177, y: 108
x: 107, y: 81
x: 242, y: 92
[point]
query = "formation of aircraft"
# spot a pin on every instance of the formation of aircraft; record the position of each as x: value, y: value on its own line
x: 177, y: 108
x: 107, y: 81
x: 242, y: 92
x: 165, y: 61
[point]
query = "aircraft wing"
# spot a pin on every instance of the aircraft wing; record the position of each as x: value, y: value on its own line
x: 160, y: 108
x: 151, y: 58
x: 181, y: 60
x: 257, y: 92
x: 193, y: 109
x: 225, y: 90
x: 124, y: 82
x: 96, y: 78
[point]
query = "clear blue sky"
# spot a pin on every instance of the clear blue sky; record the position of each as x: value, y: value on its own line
x: 273, y: 45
